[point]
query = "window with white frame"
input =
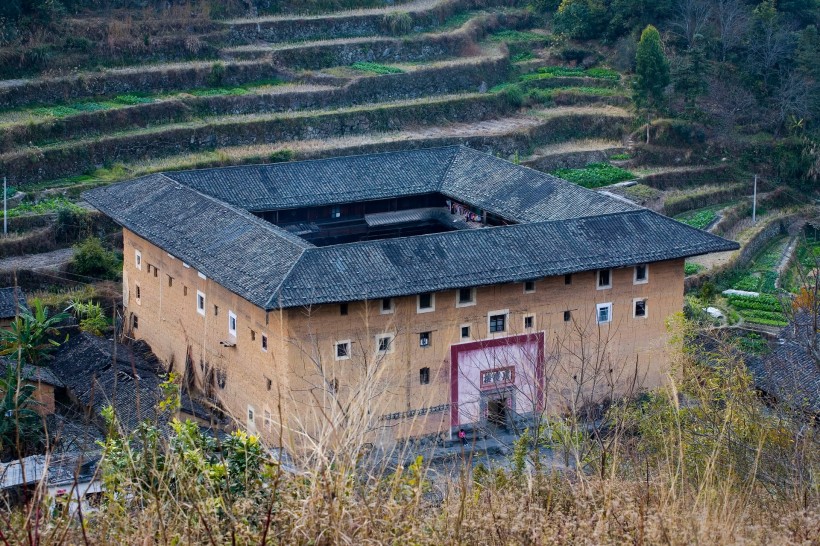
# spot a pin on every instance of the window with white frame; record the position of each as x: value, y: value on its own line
x: 529, y: 287
x: 426, y: 302
x: 341, y: 350
x: 465, y: 297
x: 604, y: 279
x: 384, y: 344
x: 639, y: 308
x: 232, y: 323
x: 465, y: 331
x: 387, y: 306
x: 138, y: 259
x: 200, y: 303
x: 497, y: 321
x: 641, y: 274
x: 268, y: 420
x: 251, y: 416
x: 603, y: 313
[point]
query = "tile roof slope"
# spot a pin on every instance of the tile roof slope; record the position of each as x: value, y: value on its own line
x: 131, y: 383
x: 12, y: 298
x: 35, y: 374
x: 519, y: 193
x: 409, y: 265
x: 247, y: 255
x: 270, y: 267
x: 323, y: 181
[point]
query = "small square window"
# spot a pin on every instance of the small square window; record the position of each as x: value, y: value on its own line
x: 567, y: 316
x: 264, y: 342
x: 466, y: 296
x: 529, y: 287
x: 138, y: 259
x: 640, y: 308
x: 384, y: 344
x: 498, y: 323
x: 424, y: 339
x: 250, y: 415
x: 604, y: 313
x: 604, y: 278
x: 135, y: 322
x: 424, y: 376
x: 568, y: 278
x: 200, y: 302
x: 641, y: 274
x: 342, y: 350
x: 335, y: 212
x: 387, y: 306
x: 343, y: 309
x: 529, y: 322
x: 268, y: 383
x: 232, y: 323
x: 426, y: 302
x: 465, y: 332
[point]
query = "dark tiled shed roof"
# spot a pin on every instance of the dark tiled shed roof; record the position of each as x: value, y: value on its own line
x: 563, y: 227
x: 12, y: 299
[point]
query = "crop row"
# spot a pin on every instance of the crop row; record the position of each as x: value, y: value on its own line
x: 759, y: 303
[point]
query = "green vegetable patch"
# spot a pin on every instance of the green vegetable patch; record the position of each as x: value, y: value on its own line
x: 595, y: 175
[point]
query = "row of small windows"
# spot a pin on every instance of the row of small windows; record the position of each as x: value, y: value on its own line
x: 497, y: 323
x: 426, y: 302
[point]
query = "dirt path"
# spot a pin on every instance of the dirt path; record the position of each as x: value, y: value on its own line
x: 46, y: 260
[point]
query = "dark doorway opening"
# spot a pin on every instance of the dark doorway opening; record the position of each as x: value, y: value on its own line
x: 497, y: 412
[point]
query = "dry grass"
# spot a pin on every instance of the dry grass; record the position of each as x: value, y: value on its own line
x: 722, y: 468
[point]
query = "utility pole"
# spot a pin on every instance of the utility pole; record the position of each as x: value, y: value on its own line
x: 5, y: 209
x: 754, y: 203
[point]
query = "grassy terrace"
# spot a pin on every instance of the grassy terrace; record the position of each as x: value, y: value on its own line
x: 502, y: 131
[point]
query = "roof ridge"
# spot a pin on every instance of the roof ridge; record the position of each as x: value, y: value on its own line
x: 269, y: 226
x: 278, y: 289
x: 443, y: 178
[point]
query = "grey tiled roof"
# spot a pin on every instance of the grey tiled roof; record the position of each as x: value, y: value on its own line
x: 563, y: 228
x: 243, y: 253
x: 31, y: 373
x: 409, y: 265
x: 517, y: 193
x: 324, y: 181
x: 12, y: 298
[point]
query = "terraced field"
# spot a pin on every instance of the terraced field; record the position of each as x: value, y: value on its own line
x: 278, y: 88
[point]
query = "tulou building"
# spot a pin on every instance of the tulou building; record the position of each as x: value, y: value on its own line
x: 397, y: 294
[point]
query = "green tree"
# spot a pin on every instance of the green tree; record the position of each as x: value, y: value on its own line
x: 651, y: 69
x: 690, y: 79
x: 92, y: 259
x: 30, y: 335
x: 651, y: 73
x: 581, y: 19
x: 20, y: 425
